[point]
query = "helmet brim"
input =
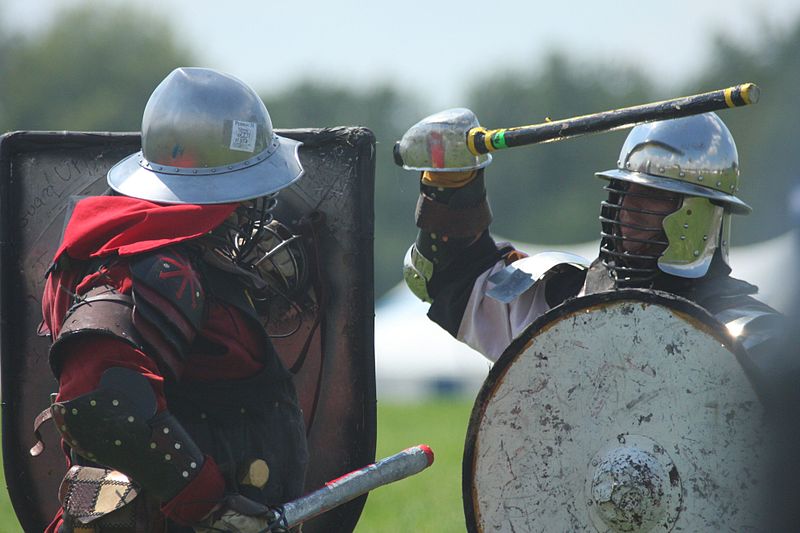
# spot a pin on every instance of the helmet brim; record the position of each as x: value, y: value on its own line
x: 732, y: 203
x: 282, y: 168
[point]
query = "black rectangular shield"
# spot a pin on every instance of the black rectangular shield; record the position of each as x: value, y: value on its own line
x: 41, y: 171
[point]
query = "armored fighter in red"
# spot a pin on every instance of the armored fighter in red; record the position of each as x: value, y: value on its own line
x: 165, y: 371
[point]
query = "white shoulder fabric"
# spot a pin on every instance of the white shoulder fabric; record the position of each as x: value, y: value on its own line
x: 489, y: 325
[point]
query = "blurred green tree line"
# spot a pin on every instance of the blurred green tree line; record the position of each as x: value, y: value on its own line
x: 94, y: 70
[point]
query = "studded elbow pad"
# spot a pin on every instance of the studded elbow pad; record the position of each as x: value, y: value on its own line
x: 116, y: 426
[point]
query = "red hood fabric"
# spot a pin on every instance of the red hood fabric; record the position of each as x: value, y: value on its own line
x: 105, y: 225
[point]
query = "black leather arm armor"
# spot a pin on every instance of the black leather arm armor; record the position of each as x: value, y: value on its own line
x: 451, y: 219
x: 453, y: 237
x: 116, y: 426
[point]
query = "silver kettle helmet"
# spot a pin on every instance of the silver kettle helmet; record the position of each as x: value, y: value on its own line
x: 696, y: 157
x: 207, y: 138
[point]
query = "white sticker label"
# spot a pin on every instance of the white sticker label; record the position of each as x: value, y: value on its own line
x: 243, y: 136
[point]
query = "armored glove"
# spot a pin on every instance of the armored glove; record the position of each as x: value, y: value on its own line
x: 232, y: 522
x: 242, y: 515
x: 439, y: 143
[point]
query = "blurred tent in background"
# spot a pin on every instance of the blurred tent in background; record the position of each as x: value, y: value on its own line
x: 415, y: 358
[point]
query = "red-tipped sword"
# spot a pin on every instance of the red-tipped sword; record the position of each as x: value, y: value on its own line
x: 349, y: 486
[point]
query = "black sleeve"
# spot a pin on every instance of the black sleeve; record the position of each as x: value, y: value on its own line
x: 451, y: 287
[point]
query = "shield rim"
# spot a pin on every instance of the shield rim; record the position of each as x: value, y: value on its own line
x: 570, y: 307
x: 362, y: 141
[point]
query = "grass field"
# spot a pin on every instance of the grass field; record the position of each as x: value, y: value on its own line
x: 8, y: 520
x: 429, y: 501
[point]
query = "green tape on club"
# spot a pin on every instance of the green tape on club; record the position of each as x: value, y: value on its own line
x: 499, y: 139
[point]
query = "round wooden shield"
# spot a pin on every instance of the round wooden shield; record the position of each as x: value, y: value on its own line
x: 627, y: 411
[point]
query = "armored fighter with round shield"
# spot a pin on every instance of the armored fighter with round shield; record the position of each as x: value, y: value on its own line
x: 171, y: 396
x: 665, y: 226
x: 627, y: 392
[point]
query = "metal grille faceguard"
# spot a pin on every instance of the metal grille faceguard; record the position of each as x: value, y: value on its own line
x: 629, y: 269
x: 274, y: 258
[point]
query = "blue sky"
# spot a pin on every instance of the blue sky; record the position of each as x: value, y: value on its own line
x: 434, y: 48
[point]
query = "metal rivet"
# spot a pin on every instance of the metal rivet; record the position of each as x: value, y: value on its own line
x: 681, y: 173
x: 686, y: 226
x: 177, y: 445
x: 719, y: 184
x: 619, y: 163
x: 167, y: 457
x: 213, y: 170
x: 74, y: 411
x: 628, y: 164
x: 434, y: 247
x: 115, y: 402
x: 733, y: 187
x: 705, y: 237
x: 177, y: 170
x: 699, y: 178
x: 118, y: 443
x: 230, y: 167
x: 683, y: 237
x: 194, y: 171
x: 696, y: 253
x: 93, y: 403
x: 241, y: 410
x: 185, y: 473
x: 153, y: 445
x: 160, y: 168
x: 63, y: 428
x: 166, y: 430
x: 661, y: 169
x: 63, y: 410
x: 193, y: 464
x: 131, y: 419
x: 203, y: 416
x: 724, y: 243
x: 433, y: 236
x: 90, y: 455
x: 440, y: 189
x: 197, y: 294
